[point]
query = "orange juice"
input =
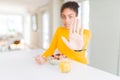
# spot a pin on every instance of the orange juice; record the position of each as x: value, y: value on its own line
x: 65, y: 66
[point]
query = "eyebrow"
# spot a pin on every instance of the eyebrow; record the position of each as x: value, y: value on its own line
x: 69, y: 14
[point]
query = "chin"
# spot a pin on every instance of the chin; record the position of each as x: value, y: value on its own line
x: 67, y: 27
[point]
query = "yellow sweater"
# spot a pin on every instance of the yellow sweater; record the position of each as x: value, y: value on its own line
x: 58, y: 43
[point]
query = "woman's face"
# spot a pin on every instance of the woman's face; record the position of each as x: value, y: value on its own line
x: 68, y: 16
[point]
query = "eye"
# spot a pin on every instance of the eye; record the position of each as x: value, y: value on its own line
x: 70, y: 17
x: 63, y: 17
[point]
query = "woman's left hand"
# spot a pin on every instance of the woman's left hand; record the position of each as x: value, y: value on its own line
x: 75, y: 40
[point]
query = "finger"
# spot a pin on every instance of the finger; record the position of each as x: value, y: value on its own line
x: 75, y: 25
x: 81, y: 31
x: 37, y: 59
x: 40, y: 59
x: 71, y: 27
x: 78, y: 26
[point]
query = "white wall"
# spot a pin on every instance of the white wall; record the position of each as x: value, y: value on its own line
x: 26, y: 28
x: 53, y: 8
x: 105, y: 27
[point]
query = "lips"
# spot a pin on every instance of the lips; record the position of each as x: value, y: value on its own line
x: 67, y: 25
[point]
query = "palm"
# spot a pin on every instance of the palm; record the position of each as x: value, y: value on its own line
x: 75, y: 41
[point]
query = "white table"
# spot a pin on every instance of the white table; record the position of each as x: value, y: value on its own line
x: 20, y: 65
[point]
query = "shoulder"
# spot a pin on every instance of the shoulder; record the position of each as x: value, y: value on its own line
x: 87, y: 32
x: 59, y: 29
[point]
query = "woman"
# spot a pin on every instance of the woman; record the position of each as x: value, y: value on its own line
x: 71, y: 40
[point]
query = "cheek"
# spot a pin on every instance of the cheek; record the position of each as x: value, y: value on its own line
x: 63, y: 21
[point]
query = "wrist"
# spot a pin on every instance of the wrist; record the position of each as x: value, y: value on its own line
x: 44, y: 57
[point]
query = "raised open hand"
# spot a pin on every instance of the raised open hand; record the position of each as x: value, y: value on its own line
x: 75, y: 41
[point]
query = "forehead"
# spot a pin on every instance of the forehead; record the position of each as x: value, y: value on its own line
x: 68, y: 11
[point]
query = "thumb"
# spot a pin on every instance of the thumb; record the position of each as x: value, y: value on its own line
x: 65, y: 40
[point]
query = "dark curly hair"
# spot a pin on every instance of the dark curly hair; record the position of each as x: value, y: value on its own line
x: 72, y: 5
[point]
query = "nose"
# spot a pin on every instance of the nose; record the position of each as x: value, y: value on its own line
x: 67, y: 20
